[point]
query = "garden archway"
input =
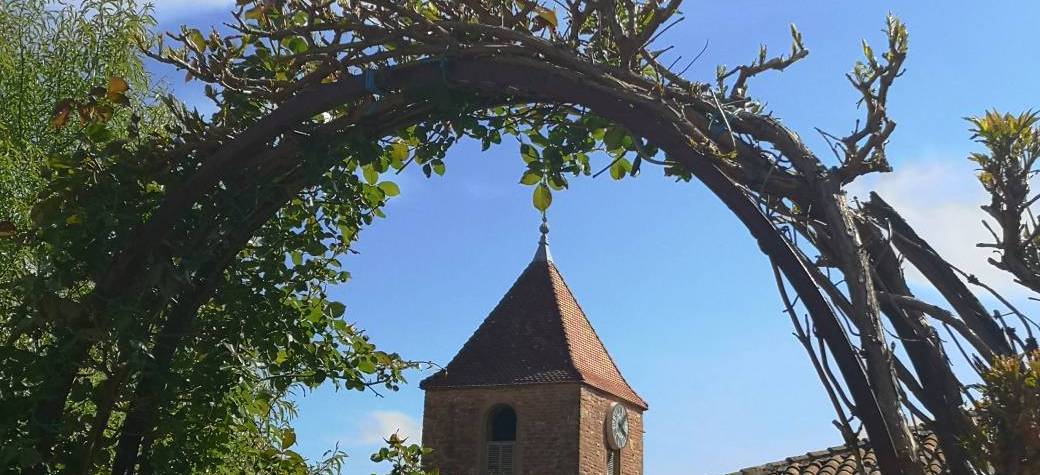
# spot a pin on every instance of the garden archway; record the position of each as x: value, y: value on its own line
x: 479, y: 61
x: 528, y: 83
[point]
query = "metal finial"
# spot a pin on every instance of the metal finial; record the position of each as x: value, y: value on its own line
x: 543, y: 255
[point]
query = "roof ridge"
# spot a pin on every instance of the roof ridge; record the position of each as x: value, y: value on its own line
x: 581, y: 311
x: 549, y: 268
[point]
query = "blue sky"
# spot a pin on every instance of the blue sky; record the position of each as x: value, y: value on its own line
x: 680, y: 294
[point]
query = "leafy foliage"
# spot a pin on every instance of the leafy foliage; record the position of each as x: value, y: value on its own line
x: 1006, y: 171
x: 406, y: 459
x: 86, y: 160
x: 48, y: 53
x: 1008, y: 436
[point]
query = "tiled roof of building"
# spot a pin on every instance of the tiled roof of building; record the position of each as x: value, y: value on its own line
x: 842, y: 460
x: 536, y: 334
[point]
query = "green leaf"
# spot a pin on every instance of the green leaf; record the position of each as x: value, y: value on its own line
x: 619, y: 168
x: 538, y: 139
x: 337, y: 309
x: 438, y: 167
x: 531, y: 177
x: 868, y: 52
x: 628, y: 142
x: 195, y: 39
x: 296, y: 45
x: 366, y: 366
x: 288, y: 438
x: 371, y: 176
x: 542, y: 197
x: 390, y: 188
x: 314, y: 316
x: 255, y: 13
x: 373, y: 195
x: 297, y: 257
x: 557, y: 183
x: 399, y: 151
x: 614, y: 137
x: 528, y: 153
x: 97, y: 132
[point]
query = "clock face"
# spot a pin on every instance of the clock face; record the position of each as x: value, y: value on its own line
x: 617, y: 426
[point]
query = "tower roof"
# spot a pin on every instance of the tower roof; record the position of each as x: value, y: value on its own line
x: 536, y: 334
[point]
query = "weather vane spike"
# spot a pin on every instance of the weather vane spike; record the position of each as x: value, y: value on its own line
x: 542, y: 255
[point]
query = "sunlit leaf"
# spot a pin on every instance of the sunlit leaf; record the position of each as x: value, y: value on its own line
x: 390, y: 188
x: 288, y: 438
x: 399, y: 151
x: 620, y: 168
x: 548, y: 16
x: 530, y: 177
x: 542, y: 197
x: 255, y: 13
x: 195, y: 39
x: 370, y: 175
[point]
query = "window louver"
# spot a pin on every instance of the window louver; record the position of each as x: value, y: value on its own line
x: 613, y: 464
x: 500, y: 458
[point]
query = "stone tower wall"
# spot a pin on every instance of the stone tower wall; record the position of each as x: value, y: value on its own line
x: 454, y: 425
x: 593, y: 445
x: 560, y: 429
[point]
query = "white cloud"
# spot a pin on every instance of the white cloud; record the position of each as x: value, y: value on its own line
x: 379, y: 425
x: 941, y: 201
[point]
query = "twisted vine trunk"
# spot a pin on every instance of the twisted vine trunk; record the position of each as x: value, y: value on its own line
x: 643, y: 117
x: 938, y: 389
x: 856, y: 267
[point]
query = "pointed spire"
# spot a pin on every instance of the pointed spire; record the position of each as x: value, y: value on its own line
x: 542, y: 254
x: 536, y: 334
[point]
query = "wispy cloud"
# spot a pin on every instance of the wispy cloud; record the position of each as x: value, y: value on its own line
x: 941, y: 201
x: 378, y: 425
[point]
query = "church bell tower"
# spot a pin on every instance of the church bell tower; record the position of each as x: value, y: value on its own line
x: 533, y: 391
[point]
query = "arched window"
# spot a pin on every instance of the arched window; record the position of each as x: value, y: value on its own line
x: 501, y: 441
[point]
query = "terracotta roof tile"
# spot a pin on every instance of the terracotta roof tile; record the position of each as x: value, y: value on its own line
x: 536, y: 334
x: 842, y: 460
